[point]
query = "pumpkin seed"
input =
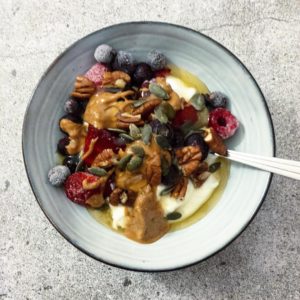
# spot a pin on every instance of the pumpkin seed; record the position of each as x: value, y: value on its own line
x: 160, y: 115
x: 174, y: 216
x: 166, y: 191
x: 111, y: 89
x: 186, y: 127
x: 203, y: 117
x: 198, y: 101
x: 163, y: 142
x: 158, y: 91
x: 134, y: 163
x: 124, y: 161
x: 97, y: 171
x: 80, y: 166
x: 139, y: 151
x: 200, y: 131
x: 139, y: 102
x: 127, y: 137
x: 214, y: 167
x: 164, y: 166
x: 117, y: 130
x: 168, y: 109
x: 134, y: 131
x: 146, y: 133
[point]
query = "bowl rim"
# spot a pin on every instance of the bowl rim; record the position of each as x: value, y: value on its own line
x: 29, y: 176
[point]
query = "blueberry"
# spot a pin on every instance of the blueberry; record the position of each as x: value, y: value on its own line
x: 217, y: 99
x: 162, y: 129
x: 71, y: 162
x: 62, y: 144
x: 156, y: 60
x: 142, y: 72
x: 58, y: 175
x: 124, y: 62
x: 197, y: 139
x: 172, y: 177
x: 104, y: 54
x: 178, y: 139
x: 73, y: 118
x: 73, y: 107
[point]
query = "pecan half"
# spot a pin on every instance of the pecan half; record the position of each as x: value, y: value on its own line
x: 83, y: 88
x: 180, y: 188
x: 214, y: 141
x: 200, y: 175
x: 125, y: 119
x: 146, y: 108
x: 106, y: 158
x: 117, y: 78
x: 153, y: 169
x: 189, y: 158
x: 120, y: 196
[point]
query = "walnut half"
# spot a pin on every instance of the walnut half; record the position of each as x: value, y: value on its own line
x: 106, y: 158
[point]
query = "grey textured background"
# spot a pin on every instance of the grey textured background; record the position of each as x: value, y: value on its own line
x: 37, y: 263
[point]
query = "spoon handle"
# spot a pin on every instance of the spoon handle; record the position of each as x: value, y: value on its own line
x: 288, y: 168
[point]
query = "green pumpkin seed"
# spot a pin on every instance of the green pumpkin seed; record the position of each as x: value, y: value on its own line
x: 80, y: 166
x: 160, y: 115
x: 139, y: 102
x: 200, y: 131
x: 127, y: 137
x: 134, y: 163
x: 124, y: 161
x: 97, y: 171
x: 164, y: 166
x: 173, y: 216
x: 158, y: 91
x: 146, y: 133
x: 113, y: 89
x: 163, y: 142
x: 134, y: 131
x: 166, y: 191
x: 139, y: 151
x: 117, y: 130
x: 203, y: 117
x: 214, y: 167
x: 168, y: 110
x: 198, y: 101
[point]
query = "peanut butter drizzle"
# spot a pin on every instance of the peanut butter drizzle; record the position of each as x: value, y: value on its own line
x: 102, y: 109
x: 77, y: 134
x: 91, y: 148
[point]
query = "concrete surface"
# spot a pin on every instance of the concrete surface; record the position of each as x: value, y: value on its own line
x: 37, y: 263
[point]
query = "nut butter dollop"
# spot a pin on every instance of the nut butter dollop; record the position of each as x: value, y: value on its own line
x: 102, y: 109
x: 77, y: 134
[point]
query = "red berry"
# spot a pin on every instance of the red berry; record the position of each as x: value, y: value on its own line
x: 162, y: 73
x: 96, y: 72
x: 106, y: 140
x: 188, y: 114
x: 223, y: 122
x: 74, y: 189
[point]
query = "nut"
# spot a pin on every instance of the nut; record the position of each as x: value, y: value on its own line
x: 115, y: 78
x: 146, y: 108
x: 189, y: 158
x: 180, y: 188
x: 200, y: 175
x: 106, y: 158
x: 214, y: 141
x: 120, y: 196
x: 125, y: 119
x: 153, y: 169
x: 83, y: 88
x: 114, y: 197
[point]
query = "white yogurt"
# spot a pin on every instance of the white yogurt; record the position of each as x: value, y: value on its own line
x: 181, y: 88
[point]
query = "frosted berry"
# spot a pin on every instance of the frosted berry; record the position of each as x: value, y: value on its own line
x: 223, y: 122
x: 156, y: 60
x: 217, y: 99
x: 104, y: 54
x: 73, y: 107
x: 96, y: 72
x: 58, y: 175
x: 124, y: 62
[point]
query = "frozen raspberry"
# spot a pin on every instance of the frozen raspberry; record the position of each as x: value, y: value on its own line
x: 223, y: 122
x: 74, y: 189
x: 106, y: 140
x: 95, y: 73
x: 188, y: 114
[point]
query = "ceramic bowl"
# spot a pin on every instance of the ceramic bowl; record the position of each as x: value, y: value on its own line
x: 220, y: 70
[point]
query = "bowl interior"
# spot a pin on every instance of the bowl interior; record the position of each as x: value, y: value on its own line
x: 220, y: 70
